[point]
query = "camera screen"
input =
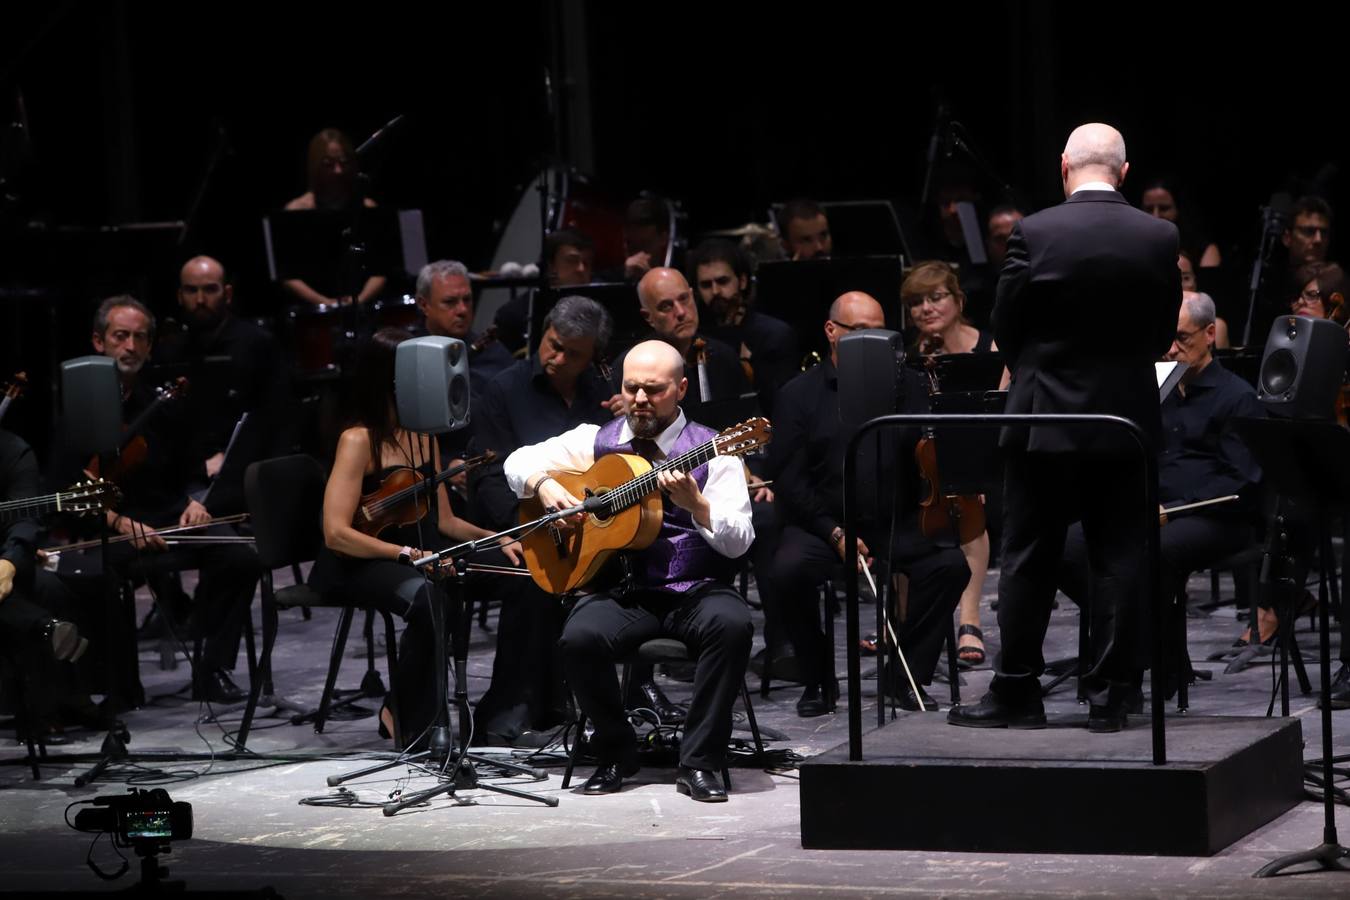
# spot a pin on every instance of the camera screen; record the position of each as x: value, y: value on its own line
x: 147, y: 823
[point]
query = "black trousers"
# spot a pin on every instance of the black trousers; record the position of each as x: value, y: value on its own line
x: 227, y: 579
x: 936, y: 579
x: 602, y: 629
x: 23, y: 615
x: 528, y: 689
x: 1184, y: 546
x: 1043, y: 495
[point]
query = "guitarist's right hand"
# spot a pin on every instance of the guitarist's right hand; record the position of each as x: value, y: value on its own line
x: 553, y: 495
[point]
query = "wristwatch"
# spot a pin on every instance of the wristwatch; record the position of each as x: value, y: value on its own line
x: 837, y: 536
x: 405, y: 556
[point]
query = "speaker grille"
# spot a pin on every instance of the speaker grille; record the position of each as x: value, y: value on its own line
x: 1279, y: 372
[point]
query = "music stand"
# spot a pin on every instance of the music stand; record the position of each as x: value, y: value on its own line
x: 1306, y: 459
x: 800, y: 291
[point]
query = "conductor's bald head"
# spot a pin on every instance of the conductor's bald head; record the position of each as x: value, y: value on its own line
x: 1094, y: 152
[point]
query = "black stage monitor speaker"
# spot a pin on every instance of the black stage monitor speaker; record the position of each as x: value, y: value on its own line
x: 871, y: 384
x: 91, y: 404
x: 871, y: 374
x: 1302, y: 368
x: 431, y: 384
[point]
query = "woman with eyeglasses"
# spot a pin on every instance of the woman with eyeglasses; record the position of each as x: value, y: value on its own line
x: 1318, y: 292
x: 932, y: 298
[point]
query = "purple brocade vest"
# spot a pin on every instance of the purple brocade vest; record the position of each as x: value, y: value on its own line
x: 679, y: 559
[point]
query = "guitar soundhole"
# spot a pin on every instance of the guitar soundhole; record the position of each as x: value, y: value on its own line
x: 599, y: 518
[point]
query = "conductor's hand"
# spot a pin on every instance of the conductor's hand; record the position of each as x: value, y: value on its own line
x: 684, y: 493
x: 554, y: 496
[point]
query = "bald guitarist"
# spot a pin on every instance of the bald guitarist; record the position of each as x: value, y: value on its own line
x: 672, y: 587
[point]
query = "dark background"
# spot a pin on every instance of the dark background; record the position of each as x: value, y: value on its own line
x: 725, y: 107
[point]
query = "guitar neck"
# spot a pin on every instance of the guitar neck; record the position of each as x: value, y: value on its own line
x: 29, y: 508
x: 632, y: 492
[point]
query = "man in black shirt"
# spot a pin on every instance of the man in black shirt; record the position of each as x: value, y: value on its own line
x: 533, y: 400
x: 668, y: 306
x: 721, y: 273
x: 158, y: 493
x: 807, y: 458
x: 1200, y: 458
x: 804, y: 230
x: 240, y: 398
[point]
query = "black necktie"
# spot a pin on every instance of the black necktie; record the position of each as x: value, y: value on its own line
x: 648, y: 449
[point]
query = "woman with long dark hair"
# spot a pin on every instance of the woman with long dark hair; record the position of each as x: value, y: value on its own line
x: 378, y: 571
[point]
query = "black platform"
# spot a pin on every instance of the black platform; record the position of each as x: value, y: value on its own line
x: 925, y: 785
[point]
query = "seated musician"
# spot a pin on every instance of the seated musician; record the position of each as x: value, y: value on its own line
x: 932, y: 296
x: 807, y: 457
x: 36, y: 634
x: 569, y: 260
x: 1318, y: 291
x: 997, y: 229
x: 377, y: 571
x: 162, y: 492
x: 1200, y: 458
x: 767, y: 345
x: 667, y: 305
x: 804, y: 229
x: 445, y: 297
x: 235, y: 370
x: 646, y: 236
x: 555, y: 391
x: 674, y: 586
x: 332, y: 171
x: 1306, y: 239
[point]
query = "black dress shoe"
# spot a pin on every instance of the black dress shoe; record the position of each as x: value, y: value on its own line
x: 652, y: 697
x: 1340, y: 689
x: 608, y: 778
x: 1107, y: 719
x: 220, y: 688
x: 818, y: 699
x: 64, y: 640
x: 700, y: 784
x: 908, y: 701
x: 994, y: 712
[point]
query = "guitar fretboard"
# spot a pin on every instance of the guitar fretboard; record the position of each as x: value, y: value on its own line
x: 631, y: 492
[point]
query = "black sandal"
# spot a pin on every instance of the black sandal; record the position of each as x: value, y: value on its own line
x: 970, y: 657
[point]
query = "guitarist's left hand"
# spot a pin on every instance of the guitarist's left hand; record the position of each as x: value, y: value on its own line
x: 684, y: 493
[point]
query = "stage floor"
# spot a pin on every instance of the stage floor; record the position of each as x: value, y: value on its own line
x: 647, y: 841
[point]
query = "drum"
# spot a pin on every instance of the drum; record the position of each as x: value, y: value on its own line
x: 398, y: 312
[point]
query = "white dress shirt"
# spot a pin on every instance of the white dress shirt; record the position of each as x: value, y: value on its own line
x: 574, y: 451
x: 1094, y: 186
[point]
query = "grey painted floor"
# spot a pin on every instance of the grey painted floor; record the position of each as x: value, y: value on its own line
x: 648, y: 841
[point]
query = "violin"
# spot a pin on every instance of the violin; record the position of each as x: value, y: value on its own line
x: 942, y: 515
x: 699, y: 351
x: 133, y: 450
x: 13, y: 391
x: 484, y: 339
x: 404, y: 496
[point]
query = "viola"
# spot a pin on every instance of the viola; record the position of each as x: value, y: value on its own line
x: 404, y: 496
x: 942, y: 514
x: 133, y: 449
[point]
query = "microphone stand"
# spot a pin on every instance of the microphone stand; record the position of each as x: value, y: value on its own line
x: 457, y: 763
x: 1271, y: 226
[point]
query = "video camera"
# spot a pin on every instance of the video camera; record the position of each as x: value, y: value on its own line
x: 139, y: 817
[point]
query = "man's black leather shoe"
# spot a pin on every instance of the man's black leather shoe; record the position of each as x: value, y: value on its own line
x: 818, y: 699
x: 608, y: 778
x: 1107, y: 719
x: 700, y: 784
x: 64, y: 640
x: 1340, y: 689
x: 220, y: 688
x: 652, y: 697
x: 993, y: 712
x: 908, y: 701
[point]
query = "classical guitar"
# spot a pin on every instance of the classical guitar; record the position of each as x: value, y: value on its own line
x: 562, y: 561
x: 85, y: 498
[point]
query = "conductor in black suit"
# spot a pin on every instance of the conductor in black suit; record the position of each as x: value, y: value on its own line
x: 1086, y: 303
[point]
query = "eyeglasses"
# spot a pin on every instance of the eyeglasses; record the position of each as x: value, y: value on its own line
x: 1308, y: 297
x: 838, y: 324
x: 933, y: 299
x: 1309, y: 231
x: 1181, y: 338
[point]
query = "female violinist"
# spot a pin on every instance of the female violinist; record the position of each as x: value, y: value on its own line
x: 931, y: 294
x: 377, y: 571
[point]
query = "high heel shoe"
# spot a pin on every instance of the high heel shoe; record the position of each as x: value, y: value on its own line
x: 386, y: 719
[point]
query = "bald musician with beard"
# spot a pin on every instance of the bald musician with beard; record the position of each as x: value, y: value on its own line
x: 677, y: 587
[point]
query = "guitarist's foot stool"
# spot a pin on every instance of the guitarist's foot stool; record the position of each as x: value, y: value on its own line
x: 661, y: 650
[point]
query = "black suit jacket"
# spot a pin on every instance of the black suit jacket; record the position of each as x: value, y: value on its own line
x: 1087, y: 301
